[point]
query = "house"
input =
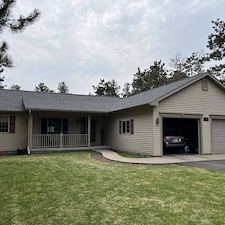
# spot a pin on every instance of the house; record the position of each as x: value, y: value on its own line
x: 135, y: 124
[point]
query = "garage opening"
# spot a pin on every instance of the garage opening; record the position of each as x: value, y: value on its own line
x: 180, y: 136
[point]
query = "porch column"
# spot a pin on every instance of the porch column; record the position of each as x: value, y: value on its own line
x: 30, y: 131
x: 89, y: 131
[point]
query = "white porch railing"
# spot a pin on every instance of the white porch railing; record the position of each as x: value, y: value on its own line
x: 59, y: 140
x: 46, y: 140
x: 75, y: 140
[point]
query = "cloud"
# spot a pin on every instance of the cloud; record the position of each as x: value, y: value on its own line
x: 82, y: 41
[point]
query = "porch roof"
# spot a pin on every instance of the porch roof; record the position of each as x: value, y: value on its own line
x: 11, y: 100
x: 67, y: 102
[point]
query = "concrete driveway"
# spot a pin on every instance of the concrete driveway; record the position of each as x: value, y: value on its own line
x: 209, y: 165
x: 214, y: 162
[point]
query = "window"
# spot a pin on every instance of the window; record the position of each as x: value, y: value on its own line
x: 4, y: 124
x: 54, y: 125
x: 126, y: 126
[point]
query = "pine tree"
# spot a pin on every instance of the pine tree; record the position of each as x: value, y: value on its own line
x: 150, y: 78
x: 7, y: 21
x: 41, y: 87
x: 108, y: 88
x: 216, y: 45
x: 127, y: 90
x: 16, y: 87
x: 63, y: 88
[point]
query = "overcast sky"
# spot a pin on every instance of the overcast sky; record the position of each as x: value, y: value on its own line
x: 81, y: 41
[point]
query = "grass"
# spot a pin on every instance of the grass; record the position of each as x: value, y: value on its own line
x: 130, y: 155
x: 72, y: 188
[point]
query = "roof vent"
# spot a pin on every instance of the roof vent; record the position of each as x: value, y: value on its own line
x: 204, y: 84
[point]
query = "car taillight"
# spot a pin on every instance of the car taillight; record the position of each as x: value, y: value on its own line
x: 164, y: 138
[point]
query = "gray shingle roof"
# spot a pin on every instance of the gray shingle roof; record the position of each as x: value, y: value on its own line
x: 11, y: 100
x: 68, y: 102
x: 150, y: 95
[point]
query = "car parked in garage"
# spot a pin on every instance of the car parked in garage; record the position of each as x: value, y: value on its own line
x: 173, y: 139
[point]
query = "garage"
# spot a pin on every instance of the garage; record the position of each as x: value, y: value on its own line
x: 218, y: 136
x: 180, y: 136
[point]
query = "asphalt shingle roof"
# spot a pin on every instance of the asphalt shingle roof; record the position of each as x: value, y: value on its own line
x: 68, y: 102
x: 11, y: 100
x: 149, y: 96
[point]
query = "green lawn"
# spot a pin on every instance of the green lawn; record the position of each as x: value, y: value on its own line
x: 72, y: 188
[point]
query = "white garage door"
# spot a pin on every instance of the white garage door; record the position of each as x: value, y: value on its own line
x: 218, y: 136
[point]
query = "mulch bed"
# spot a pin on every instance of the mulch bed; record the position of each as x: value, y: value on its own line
x: 4, y: 154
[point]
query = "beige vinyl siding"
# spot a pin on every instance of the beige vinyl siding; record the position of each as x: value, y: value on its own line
x: 139, y: 142
x: 193, y: 100
x: 12, y: 141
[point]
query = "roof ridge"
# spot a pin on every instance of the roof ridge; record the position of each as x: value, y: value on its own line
x: 71, y: 94
x: 173, y: 82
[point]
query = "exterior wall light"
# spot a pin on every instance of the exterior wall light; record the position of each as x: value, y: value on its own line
x: 157, y: 121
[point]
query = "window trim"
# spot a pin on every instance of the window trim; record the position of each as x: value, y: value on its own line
x: 1, y: 132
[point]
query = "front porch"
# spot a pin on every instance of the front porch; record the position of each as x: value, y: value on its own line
x: 93, y: 148
x: 57, y: 131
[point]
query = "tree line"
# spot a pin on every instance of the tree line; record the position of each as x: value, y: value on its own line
x: 41, y: 87
x: 157, y: 74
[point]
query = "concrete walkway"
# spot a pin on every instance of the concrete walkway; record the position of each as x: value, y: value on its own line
x: 168, y: 159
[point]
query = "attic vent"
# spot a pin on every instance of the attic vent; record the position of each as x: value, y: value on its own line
x: 204, y: 84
